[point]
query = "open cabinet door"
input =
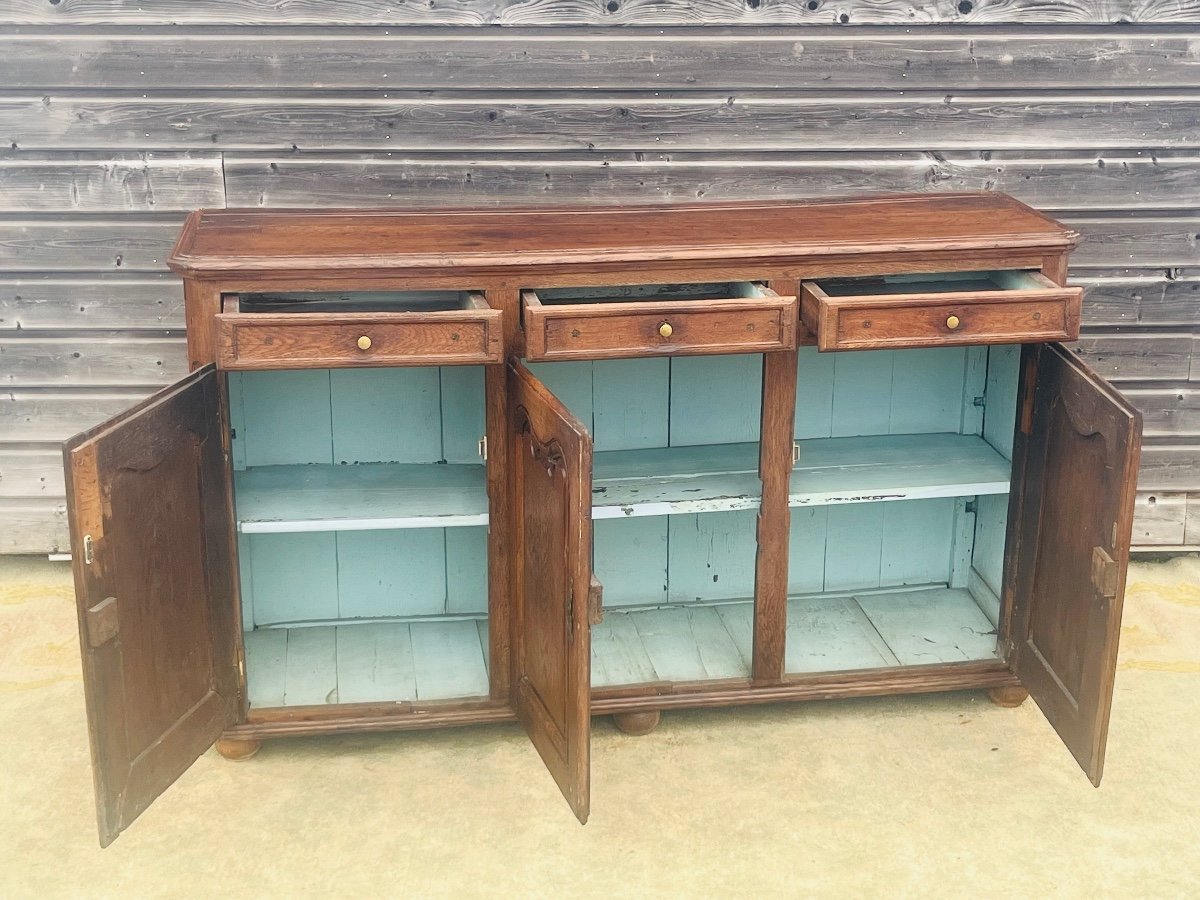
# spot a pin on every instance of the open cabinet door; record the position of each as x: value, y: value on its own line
x: 1075, y: 470
x: 552, y: 491
x: 151, y: 548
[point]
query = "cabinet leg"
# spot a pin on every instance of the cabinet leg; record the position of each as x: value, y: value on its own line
x: 237, y: 749
x: 638, y: 722
x: 1008, y: 697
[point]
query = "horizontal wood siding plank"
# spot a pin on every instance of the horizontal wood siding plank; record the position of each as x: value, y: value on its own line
x: 137, y: 183
x: 1158, y: 519
x: 31, y: 471
x: 107, y: 360
x: 34, y: 526
x: 33, y: 416
x: 595, y: 12
x: 88, y: 244
x: 643, y: 121
x: 703, y: 59
x: 1138, y: 355
x: 1167, y: 411
x: 1136, y: 241
x: 1133, y: 297
x: 1047, y: 180
x: 89, y: 302
x: 1169, y: 466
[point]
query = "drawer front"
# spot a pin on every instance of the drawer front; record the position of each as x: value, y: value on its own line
x: 246, y: 341
x: 584, y: 331
x: 952, y: 319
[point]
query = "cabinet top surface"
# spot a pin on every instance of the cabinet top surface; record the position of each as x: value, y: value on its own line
x: 215, y: 242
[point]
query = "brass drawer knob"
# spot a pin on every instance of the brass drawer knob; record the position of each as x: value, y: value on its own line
x: 665, y: 329
x: 952, y: 322
x: 364, y: 343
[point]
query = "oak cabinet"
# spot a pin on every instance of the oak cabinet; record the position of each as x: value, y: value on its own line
x: 434, y: 469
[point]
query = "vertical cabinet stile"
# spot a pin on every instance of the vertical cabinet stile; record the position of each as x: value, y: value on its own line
x: 500, y: 574
x: 775, y: 466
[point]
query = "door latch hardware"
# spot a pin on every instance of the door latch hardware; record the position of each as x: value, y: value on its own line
x: 102, y: 622
x: 483, y: 448
x: 1104, y: 573
x: 795, y: 452
x: 88, y: 552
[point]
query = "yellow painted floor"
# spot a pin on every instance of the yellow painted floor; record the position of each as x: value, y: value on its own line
x: 921, y: 796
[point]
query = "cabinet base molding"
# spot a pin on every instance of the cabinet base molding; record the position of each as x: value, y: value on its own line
x: 629, y: 700
x: 238, y: 749
x: 639, y: 722
x: 1010, y: 697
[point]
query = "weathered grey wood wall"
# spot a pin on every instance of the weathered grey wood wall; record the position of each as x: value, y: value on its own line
x: 117, y: 116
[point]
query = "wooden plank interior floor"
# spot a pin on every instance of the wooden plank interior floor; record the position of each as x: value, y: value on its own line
x: 446, y: 660
x: 825, y: 634
x: 366, y: 662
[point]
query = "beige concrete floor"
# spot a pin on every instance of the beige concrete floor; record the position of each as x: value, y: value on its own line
x: 922, y: 796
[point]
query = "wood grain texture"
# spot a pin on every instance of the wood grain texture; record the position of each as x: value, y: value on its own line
x: 1073, y: 499
x: 774, y: 517
x: 110, y: 182
x: 277, y: 243
x: 282, y: 341
x: 551, y: 540
x: 1139, y: 355
x: 1045, y: 179
x: 97, y: 244
x: 750, y: 324
x: 90, y: 302
x: 1033, y: 310
x: 54, y: 415
x: 783, y: 120
x: 163, y: 579
x: 141, y: 247
x: 1139, y: 297
x: 34, y: 526
x: 575, y: 59
x: 105, y: 359
x: 587, y: 12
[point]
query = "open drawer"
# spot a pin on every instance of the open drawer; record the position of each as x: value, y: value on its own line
x: 656, y: 320
x: 946, y: 309
x: 386, y: 328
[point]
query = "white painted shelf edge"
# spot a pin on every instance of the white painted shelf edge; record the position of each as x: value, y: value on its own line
x: 626, y: 483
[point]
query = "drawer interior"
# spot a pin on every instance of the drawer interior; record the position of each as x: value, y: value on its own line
x: 934, y: 283
x: 359, y: 301
x: 651, y: 293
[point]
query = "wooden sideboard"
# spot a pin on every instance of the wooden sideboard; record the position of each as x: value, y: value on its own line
x: 442, y: 467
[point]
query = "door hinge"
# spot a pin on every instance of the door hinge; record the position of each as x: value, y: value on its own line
x: 483, y: 448
x: 981, y: 400
x: 971, y: 507
x: 88, y: 550
x: 1104, y: 573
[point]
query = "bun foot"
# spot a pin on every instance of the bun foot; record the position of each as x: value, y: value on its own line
x: 637, y: 723
x: 237, y: 749
x: 1008, y: 697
